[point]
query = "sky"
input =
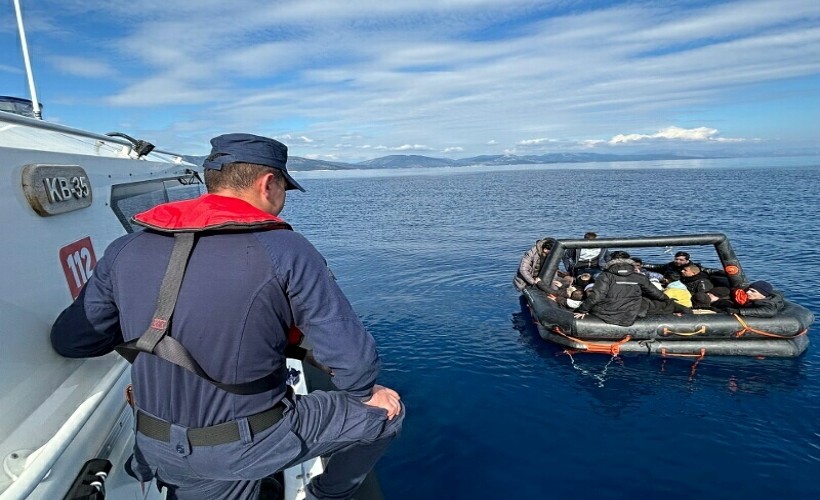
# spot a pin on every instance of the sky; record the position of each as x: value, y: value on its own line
x: 347, y: 80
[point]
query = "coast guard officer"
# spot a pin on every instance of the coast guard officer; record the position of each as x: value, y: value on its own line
x: 201, y: 302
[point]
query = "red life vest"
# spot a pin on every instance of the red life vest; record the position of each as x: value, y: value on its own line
x: 209, y: 212
x: 184, y: 219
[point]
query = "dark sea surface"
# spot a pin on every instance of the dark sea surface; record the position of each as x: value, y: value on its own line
x: 427, y: 258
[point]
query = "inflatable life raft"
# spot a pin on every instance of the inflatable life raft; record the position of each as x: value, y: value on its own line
x: 784, y: 335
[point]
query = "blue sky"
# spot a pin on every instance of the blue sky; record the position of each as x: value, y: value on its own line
x: 354, y: 80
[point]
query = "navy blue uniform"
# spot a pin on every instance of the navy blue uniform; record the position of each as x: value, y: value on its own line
x: 240, y: 294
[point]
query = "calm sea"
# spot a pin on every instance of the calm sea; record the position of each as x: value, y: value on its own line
x: 427, y: 256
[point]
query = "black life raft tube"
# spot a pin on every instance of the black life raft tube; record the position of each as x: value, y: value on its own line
x: 784, y: 335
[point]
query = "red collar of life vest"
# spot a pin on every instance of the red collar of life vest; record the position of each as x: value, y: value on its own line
x: 209, y: 212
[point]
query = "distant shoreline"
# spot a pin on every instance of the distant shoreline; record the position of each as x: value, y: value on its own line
x: 299, y: 164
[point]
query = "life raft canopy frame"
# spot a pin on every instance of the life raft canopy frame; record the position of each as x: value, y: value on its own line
x: 728, y: 259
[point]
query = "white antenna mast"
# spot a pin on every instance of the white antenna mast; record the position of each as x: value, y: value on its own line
x: 35, y: 104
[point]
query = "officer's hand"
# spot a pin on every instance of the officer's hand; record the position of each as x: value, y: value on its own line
x: 384, y: 397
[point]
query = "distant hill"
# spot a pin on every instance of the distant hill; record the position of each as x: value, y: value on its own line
x: 406, y: 161
x: 299, y: 164
x: 565, y: 158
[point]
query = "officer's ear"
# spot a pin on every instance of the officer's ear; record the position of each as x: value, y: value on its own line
x: 264, y: 186
x: 266, y: 183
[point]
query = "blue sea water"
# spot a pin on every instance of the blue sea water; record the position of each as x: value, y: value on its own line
x: 427, y: 259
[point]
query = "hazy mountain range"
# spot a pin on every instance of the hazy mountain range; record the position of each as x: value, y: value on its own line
x: 296, y: 163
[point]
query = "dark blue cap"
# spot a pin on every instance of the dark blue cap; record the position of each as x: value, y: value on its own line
x: 249, y: 148
x: 763, y: 287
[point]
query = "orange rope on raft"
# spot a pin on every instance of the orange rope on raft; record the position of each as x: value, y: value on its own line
x: 747, y: 328
x: 596, y: 347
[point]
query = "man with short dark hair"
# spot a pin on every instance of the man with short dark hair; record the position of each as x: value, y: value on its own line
x: 694, y: 279
x: 671, y: 270
x: 204, y: 300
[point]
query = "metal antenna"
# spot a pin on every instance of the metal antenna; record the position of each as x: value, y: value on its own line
x: 34, y: 102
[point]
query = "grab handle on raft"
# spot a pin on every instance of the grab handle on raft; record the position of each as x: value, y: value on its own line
x: 700, y: 356
x: 667, y: 331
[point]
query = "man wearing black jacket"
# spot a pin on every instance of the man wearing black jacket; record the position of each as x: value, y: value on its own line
x: 763, y: 301
x: 617, y: 295
x: 671, y: 270
x: 695, y: 279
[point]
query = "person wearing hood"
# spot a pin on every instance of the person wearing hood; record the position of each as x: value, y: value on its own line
x: 530, y: 267
x: 678, y: 292
x: 679, y: 301
x: 763, y: 301
x: 617, y: 296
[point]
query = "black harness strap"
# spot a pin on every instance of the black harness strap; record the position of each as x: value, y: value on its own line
x: 168, y: 292
x: 158, y: 342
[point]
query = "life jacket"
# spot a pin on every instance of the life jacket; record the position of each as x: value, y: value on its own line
x: 186, y: 220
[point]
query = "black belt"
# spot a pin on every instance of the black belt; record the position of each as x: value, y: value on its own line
x: 227, y: 432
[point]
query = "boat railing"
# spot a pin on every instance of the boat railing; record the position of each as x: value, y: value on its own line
x: 56, y: 127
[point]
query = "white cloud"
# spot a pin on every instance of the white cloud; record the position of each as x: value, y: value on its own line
x: 294, y: 139
x: 411, y: 147
x: 454, y: 149
x: 535, y: 142
x: 10, y: 69
x: 164, y: 90
x: 699, y: 134
x: 325, y: 157
x: 83, y: 67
